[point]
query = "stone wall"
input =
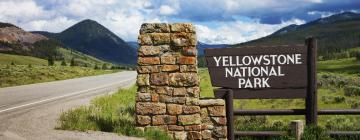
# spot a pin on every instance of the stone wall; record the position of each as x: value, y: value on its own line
x: 168, y: 85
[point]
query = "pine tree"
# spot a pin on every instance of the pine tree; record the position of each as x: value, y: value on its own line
x: 51, y: 61
x: 72, y: 62
x: 104, y: 66
x: 96, y: 67
x: 63, y: 63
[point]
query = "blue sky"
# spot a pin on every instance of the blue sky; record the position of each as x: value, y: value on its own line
x: 216, y: 21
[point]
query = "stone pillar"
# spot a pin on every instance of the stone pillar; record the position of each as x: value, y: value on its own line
x: 168, y: 83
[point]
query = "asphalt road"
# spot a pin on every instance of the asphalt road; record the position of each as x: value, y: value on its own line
x: 31, y: 111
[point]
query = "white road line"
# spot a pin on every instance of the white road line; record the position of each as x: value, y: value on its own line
x: 63, y: 96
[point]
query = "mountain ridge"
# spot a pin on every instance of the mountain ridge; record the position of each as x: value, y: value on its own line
x: 92, y: 38
x: 334, y: 33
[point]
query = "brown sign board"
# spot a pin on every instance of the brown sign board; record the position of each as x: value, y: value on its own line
x: 260, y: 71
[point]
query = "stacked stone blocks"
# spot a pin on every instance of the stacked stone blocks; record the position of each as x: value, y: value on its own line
x: 168, y: 82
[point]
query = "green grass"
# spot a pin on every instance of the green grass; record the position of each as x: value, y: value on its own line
x: 7, y: 59
x: 110, y: 113
x: 81, y: 58
x: 14, y: 75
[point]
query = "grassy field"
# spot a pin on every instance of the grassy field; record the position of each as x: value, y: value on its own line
x: 20, y: 70
x: 14, y: 75
x: 111, y: 113
x: 7, y: 59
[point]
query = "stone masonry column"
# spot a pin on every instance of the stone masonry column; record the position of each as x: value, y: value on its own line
x: 168, y: 82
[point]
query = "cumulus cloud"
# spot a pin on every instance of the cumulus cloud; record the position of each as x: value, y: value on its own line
x: 227, y: 21
x: 166, y: 10
x: 239, y: 31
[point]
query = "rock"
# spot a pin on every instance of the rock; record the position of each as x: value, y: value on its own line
x: 179, y: 40
x: 174, y: 109
x: 192, y: 101
x: 169, y: 99
x: 148, y: 60
x: 160, y: 38
x: 168, y: 59
x: 193, y: 92
x: 149, y: 108
x: 179, y: 91
x: 212, y: 102
x: 175, y: 128
x: 193, y: 135
x: 144, y: 39
x: 154, y: 97
x: 149, y: 50
x: 182, y: 27
x: 163, y: 90
x: 180, y: 135
x: 143, y: 79
x: 219, y: 120
x: 168, y: 68
x: 217, y: 110
x: 143, y: 120
x: 188, y: 68
x: 184, y: 79
x: 159, y: 79
x: 154, y: 28
x: 187, y: 60
x: 191, y: 109
x: 143, y: 97
x: 143, y: 89
x: 189, y: 119
x: 163, y: 119
x: 206, y: 134
x: 193, y: 127
x: 220, y: 131
x: 147, y: 69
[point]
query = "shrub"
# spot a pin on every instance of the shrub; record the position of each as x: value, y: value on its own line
x: 315, y: 133
x: 50, y: 61
x: 356, y: 54
x: 331, y: 99
x: 352, y: 91
x: 104, y: 67
x: 340, y: 123
x: 72, y: 62
x: 63, y: 63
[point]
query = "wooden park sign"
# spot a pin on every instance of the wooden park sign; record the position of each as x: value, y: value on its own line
x: 265, y: 72
x: 261, y: 72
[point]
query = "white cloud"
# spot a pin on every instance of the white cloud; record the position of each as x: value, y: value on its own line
x: 13, y: 11
x: 166, y: 10
x: 239, y: 31
x: 124, y: 17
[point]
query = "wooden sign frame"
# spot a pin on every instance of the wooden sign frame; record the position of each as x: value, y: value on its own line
x: 308, y: 92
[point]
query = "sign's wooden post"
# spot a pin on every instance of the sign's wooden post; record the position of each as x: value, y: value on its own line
x: 311, y: 97
x: 229, y: 113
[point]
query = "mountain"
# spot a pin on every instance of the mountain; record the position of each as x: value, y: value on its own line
x: 202, y: 46
x: 14, y: 40
x: 334, y: 33
x: 17, y: 41
x: 93, y: 39
x: 133, y: 44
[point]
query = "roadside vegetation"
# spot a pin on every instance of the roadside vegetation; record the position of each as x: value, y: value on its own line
x: 14, y: 75
x: 20, y: 70
x: 110, y: 113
